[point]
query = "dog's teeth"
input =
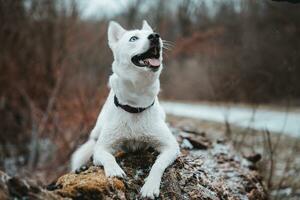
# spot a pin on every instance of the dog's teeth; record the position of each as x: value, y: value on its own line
x: 142, y: 62
x: 146, y: 62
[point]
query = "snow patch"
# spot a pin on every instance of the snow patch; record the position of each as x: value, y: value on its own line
x: 259, y: 119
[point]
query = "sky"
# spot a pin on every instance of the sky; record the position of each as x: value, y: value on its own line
x: 109, y: 8
x: 100, y: 8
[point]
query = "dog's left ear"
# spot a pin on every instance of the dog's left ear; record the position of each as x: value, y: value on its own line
x: 115, y: 32
x: 146, y: 26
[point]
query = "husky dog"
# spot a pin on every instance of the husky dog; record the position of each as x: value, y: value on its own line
x: 132, y: 114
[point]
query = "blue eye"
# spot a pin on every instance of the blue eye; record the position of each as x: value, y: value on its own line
x: 133, y: 38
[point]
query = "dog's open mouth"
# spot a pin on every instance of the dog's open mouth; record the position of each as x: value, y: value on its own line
x: 148, y: 59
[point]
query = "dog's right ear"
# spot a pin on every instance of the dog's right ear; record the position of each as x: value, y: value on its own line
x: 146, y: 26
x: 115, y: 32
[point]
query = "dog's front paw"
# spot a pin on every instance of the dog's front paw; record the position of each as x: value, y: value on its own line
x: 114, y: 171
x: 151, y: 188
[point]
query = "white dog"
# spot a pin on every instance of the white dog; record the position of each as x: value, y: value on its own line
x: 132, y: 114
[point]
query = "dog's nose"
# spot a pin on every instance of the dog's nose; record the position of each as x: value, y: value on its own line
x: 154, y: 38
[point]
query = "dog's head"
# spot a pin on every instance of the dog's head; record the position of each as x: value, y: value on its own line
x: 139, y: 50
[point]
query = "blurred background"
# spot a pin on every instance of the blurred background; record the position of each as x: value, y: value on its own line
x: 240, y: 54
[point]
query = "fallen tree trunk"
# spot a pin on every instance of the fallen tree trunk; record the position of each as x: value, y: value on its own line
x: 205, y: 170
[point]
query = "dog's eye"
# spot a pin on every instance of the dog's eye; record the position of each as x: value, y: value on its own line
x: 133, y: 38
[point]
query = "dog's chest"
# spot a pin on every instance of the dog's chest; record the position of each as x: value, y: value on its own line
x: 122, y: 129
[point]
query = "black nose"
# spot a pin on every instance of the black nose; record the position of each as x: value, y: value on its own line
x: 154, y: 38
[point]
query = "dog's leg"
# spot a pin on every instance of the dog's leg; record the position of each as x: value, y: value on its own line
x: 103, y: 156
x: 168, y: 153
x: 82, y: 155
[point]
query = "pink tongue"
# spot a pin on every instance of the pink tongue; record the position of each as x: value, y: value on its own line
x: 153, y: 62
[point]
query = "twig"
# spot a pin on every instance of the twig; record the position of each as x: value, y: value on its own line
x: 39, y: 126
x: 271, y: 157
x: 286, y: 169
x: 50, y: 104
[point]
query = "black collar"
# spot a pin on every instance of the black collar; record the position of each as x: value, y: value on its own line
x: 128, y: 108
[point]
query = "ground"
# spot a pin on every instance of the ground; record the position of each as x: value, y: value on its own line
x: 275, y: 157
x: 207, y: 169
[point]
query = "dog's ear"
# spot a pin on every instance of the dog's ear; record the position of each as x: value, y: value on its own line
x: 146, y: 26
x: 115, y: 32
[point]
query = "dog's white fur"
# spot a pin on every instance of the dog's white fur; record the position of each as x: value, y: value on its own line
x: 137, y: 87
